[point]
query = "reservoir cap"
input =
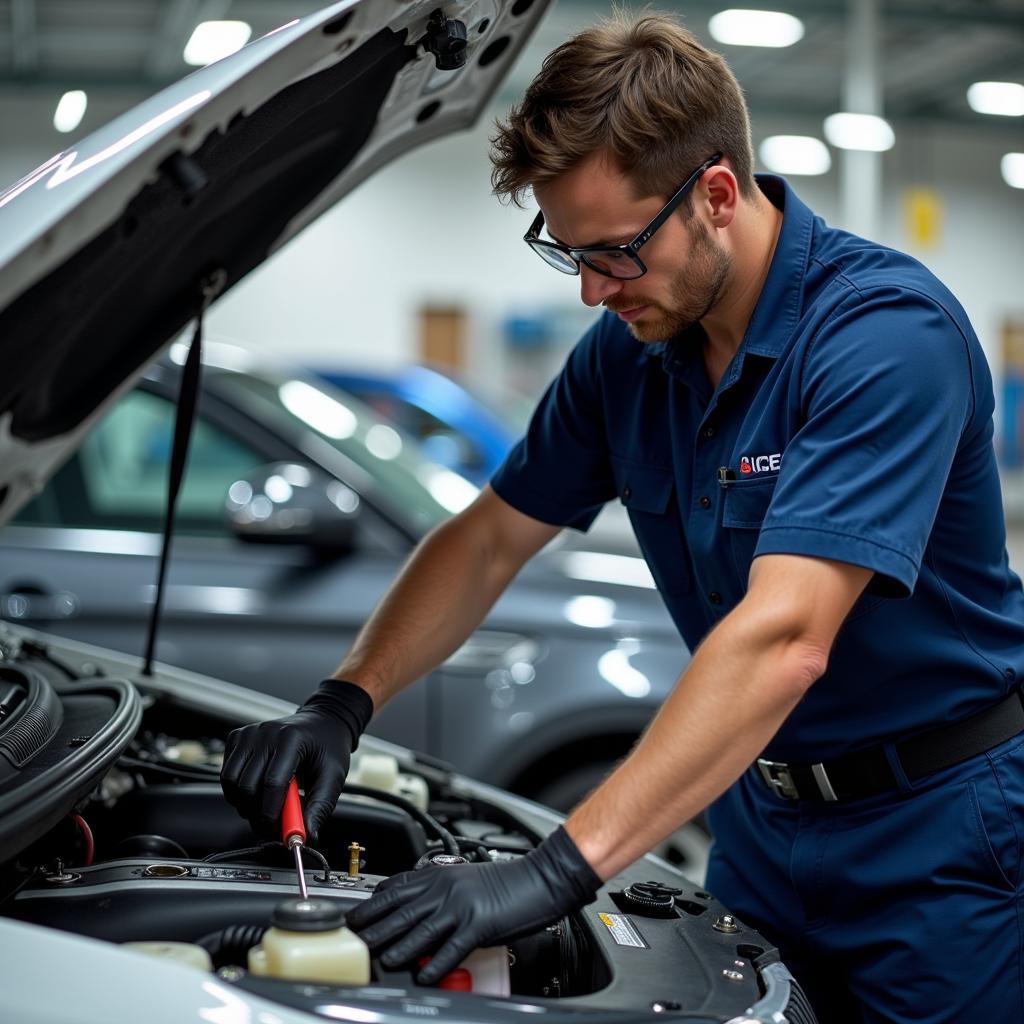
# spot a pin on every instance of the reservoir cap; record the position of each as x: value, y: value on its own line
x: 313, y: 915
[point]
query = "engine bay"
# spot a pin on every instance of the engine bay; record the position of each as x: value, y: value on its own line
x: 145, y: 851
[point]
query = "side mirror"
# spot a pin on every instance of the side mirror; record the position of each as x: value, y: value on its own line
x: 289, y: 503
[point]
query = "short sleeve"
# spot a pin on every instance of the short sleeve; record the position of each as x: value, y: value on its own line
x: 887, y: 393
x: 560, y: 472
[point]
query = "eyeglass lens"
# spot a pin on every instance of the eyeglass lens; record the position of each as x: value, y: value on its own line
x: 613, y: 263
x: 556, y: 258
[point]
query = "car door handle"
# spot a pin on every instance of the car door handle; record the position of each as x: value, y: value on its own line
x: 30, y: 604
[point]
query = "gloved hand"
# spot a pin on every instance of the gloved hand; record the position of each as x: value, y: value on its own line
x: 315, y: 745
x: 450, y: 911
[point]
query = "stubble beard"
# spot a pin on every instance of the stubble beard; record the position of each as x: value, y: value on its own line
x: 695, y: 291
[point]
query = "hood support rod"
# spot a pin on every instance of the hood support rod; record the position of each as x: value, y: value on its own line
x: 210, y: 287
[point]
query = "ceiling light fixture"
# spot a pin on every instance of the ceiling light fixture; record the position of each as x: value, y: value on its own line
x: 70, y: 111
x: 1012, y: 166
x: 795, y: 154
x: 859, y: 131
x: 1004, y: 98
x: 213, y: 40
x: 736, y: 27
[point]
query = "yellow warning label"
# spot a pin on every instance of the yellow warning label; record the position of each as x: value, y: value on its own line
x: 623, y: 931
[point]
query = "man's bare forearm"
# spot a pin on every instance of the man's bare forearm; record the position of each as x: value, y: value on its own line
x: 741, y: 685
x: 444, y: 591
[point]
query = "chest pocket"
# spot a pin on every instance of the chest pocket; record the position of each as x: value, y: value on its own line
x: 745, y: 506
x: 648, y: 494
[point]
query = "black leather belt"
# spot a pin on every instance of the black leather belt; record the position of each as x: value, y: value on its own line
x: 868, y: 772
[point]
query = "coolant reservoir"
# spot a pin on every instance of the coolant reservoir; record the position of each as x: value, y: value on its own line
x: 307, y: 942
x: 380, y: 771
x: 179, y: 952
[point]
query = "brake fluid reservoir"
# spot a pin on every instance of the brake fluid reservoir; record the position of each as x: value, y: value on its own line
x: 485, y: 971
x: 307, y: 942
x: 380, y: 771
x: 488, y: 971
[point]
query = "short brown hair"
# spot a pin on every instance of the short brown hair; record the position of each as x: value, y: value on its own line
x: 640, y: 88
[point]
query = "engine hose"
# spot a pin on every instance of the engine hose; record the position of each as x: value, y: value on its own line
x: 229, y: 947
x: 249, y: 851
x: 447, y: 839
x: 317, y: 855
x: 468, y: 845
x: 571, y: 944
x: 254, y: 851
x: 191, y: 773
x: 507, y: 820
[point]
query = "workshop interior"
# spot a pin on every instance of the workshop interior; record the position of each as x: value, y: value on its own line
x: 264, y: 329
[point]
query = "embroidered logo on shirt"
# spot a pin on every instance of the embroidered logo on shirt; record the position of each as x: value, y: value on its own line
x: 759, y: 463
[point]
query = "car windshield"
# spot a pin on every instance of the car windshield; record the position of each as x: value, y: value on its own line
x: 414, y: 485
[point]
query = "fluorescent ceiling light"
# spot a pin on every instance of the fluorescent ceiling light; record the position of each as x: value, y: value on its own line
x: 756, y: 28
x: 795, y: 154
x: 859, y: 131
x: 70, y: 111
x: 1006, y: 98
x: 1012, y: 166
x: 214, y: 40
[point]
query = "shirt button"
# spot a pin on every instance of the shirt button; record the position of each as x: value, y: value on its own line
x: 715, y: 597
x: 705, y: 501
x: 708, y: 432
x: 1010, y: 674
x: 627, y: 492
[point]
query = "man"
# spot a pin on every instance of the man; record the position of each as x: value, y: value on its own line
x: 799, y: 423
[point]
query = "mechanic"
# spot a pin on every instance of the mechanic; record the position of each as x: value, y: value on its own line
x: 799, y: 423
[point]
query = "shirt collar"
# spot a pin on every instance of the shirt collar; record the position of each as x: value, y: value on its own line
x: 778, y: 307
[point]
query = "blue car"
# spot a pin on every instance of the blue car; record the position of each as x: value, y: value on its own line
x: 456, y: 429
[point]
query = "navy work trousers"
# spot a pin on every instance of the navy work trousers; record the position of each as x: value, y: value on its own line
x: 900, y: 907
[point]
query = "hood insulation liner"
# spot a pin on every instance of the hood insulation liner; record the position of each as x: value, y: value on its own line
x: 74, y: 336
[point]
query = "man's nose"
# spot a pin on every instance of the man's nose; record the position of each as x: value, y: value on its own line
x: 595, y: 287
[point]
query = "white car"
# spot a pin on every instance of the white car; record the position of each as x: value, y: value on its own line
x: 128, y: 888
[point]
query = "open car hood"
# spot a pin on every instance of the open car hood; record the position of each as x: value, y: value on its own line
x: 106, y: 248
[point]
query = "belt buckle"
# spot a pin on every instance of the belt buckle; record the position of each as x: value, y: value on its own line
x: 779, y: 778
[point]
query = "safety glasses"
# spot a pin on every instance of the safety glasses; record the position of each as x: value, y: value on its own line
x: 620, y: 261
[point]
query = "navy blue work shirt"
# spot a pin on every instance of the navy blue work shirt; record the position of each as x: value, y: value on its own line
x: 854, y: 423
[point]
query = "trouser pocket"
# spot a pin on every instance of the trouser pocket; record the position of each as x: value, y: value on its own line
x: 998, y: 798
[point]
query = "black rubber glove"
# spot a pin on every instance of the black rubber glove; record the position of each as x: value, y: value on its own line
x: 315, y: 745
x: 450, y: 911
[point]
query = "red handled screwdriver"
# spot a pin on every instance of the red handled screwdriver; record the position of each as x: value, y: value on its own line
x: 293, y: 831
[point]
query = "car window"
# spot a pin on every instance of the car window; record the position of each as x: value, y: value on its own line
x: 445, y: 442
x: 411, y: 418
x: 419, y: 489
x: 118, y: 478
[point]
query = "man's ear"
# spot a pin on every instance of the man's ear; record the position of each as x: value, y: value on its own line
x: 719, y: 192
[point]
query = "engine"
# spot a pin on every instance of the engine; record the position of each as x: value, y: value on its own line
x: 157, y: 858
x: 113, y: 826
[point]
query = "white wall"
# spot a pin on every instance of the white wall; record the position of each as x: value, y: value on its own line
x: 426, y: 230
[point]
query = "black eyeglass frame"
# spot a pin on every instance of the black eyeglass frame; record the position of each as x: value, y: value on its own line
x: 630, y: 249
